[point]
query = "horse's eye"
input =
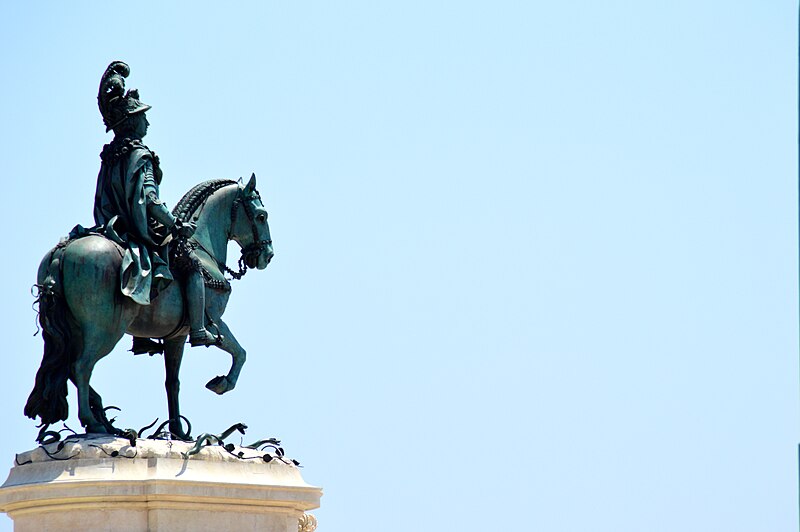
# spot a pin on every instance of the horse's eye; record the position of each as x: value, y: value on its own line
x: 261, y: 218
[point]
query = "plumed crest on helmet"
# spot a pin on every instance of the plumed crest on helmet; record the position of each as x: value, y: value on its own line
x: 116, y: 105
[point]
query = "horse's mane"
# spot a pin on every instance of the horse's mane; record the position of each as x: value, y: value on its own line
x: 197, y: 195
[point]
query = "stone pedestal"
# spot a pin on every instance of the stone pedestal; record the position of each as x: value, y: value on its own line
x: 105, y: 484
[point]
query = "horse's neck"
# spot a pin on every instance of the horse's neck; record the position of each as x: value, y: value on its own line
x: 214, y: 223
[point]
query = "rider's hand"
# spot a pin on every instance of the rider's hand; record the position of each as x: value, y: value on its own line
x: 184, y: 229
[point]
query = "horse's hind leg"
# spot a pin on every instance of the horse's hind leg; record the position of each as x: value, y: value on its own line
x: 90, y: 273
x: 96, y: 406
x: 95, y: 346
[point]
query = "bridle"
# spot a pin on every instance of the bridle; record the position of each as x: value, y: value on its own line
x: 250, y: 252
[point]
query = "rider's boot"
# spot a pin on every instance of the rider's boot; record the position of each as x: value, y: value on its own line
x: 196, y: 299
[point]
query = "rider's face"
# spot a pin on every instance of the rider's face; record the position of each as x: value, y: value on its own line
x: 141, y: 124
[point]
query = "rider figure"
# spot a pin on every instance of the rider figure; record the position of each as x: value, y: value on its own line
x: 127, y: 203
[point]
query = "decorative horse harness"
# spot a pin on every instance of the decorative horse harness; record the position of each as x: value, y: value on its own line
x: 181, y: 252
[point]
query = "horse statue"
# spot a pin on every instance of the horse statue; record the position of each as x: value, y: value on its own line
x: 83, y: 314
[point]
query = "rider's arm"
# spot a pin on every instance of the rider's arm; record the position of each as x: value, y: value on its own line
x: 155, y: 207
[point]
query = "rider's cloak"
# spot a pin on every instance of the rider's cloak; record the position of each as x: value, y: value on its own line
x: 120, y: 204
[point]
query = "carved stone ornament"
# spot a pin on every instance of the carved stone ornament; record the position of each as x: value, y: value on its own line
x: 307, y: 523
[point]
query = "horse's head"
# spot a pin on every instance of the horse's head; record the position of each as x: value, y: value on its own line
x: 249, y: 227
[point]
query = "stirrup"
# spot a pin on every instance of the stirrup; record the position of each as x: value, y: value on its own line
x: 203, y: 337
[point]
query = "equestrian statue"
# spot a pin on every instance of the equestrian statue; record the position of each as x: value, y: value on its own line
x: 156, y: 274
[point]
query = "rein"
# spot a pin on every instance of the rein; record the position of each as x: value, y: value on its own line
x: 251, y: 251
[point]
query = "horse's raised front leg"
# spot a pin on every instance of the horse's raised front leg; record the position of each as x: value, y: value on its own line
x: 173, y: 354
x: 222, y: 384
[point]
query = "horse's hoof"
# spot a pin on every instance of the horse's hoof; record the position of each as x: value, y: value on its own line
x: 218, y: 385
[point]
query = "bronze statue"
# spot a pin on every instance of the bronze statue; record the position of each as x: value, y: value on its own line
x: 119, y: 276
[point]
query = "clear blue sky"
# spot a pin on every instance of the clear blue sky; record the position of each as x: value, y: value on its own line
x: 536, y: 262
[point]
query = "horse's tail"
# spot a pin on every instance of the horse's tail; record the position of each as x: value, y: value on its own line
x: 48, y: 400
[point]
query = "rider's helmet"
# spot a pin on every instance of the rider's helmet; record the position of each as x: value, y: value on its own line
x: 115, y: 104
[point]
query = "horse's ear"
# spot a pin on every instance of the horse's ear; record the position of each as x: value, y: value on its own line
x: 251, y: 185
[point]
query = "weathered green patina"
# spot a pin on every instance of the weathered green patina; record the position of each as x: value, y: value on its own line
x: 115, y: 278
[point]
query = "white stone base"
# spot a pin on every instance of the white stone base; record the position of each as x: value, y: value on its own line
x: 152, y: 487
